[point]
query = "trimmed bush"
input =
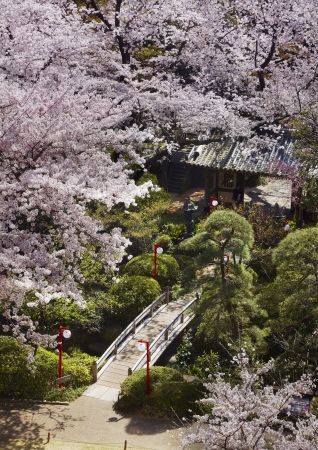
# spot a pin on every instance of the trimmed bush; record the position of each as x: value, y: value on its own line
x: 165, y: 241
x: 131, y: 296
x: 170, y: 394
x: 167, y: 268
x: 17, y: 380
x: 175, y: 231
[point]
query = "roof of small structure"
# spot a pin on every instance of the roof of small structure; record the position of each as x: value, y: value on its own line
x: 237, y: 156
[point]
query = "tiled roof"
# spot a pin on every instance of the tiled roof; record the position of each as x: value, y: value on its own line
x: 236, y: 156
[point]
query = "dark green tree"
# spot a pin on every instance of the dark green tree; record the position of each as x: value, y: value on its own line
x: 292, y: 302
x: 224, y: 232
x: 228, y: 313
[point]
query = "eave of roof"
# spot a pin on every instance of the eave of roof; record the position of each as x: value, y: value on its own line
x: 237, y: 156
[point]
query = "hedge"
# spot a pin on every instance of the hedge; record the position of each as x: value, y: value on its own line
x: 167, y: 268
x: 37, y: 382
x: 170, y: 396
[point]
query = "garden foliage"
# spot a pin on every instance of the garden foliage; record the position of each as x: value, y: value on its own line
x: 170, y: 396
x: 19, y: 380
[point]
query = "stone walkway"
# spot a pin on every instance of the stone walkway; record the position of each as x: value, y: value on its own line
x: 274, y: 192
x: 86, y: 420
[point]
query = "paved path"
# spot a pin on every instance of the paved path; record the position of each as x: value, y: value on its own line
x: 275, y: 191
x: 87, y: 420
x: 108, y: 385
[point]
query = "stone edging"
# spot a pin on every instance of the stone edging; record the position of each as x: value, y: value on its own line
x: 25, y: 400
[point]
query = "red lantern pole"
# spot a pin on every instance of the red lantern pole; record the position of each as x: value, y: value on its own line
x: 226, y: 260
x: 287, y: 227
x: 61, y: 353
x: 147, y: 365
x: 156, y: 247
x: 213, y: 204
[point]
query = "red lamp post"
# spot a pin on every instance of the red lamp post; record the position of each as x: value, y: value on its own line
x: 213, y: 203
x: 157, y: 248
x: 287, y: 227
x: 226, y: 260
x: 64, y: 332
x: 144, y: 346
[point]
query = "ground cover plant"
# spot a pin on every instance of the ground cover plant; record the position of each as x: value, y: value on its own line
x: 171, y: 395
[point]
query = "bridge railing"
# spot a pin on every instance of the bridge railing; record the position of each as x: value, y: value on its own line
x: 129, y: 331
x: 164, y: 335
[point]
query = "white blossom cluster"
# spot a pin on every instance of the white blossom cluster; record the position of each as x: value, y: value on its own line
x: 248, y: 415
x: 238, y: 64
x: 62, y: 115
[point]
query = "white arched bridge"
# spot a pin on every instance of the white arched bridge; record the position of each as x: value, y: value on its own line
x: 160, y: 323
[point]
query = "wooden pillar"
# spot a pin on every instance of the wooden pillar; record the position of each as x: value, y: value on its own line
x: 167, y: 294
x: 240, y: 179
x: 298, y: 214
x: 243, y: 186
x: 207, y: 189
x: 164, y: 173
x: 94, y: 369
x: 217, y: 177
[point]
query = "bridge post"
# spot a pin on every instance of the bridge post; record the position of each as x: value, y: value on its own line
x: 167, y: 294
x: 115, y: 349
x: 151, y: 312
x: 182, y: 318
x: 166, y: 335
x: 134, y: 328
x: 94, y: 369
x: 181, y: 336
x: 197, y: 296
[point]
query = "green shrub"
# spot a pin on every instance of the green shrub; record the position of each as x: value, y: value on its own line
x: 17, y: 380
x: 175, y: 398
x: 314, y: 406
x: 188, y: 268
x: 65, y: 394
x: 184, y: 354
x: 13, y: 367
x: 78, y: 365
x: 204, y: 365
x: 132, y: 295
x: 167, y: 268
x: 170, y: 394
x: 166, y: 242
x: 173, y: 218
x: 175, y: 231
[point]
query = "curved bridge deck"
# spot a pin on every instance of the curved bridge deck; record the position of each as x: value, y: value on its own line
x: 158, y: 326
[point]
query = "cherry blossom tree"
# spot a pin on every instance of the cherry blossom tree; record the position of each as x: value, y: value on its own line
x: 248, y: 415
x: 65, y: 140
x: 89, y: 88
x: 235, y: 65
